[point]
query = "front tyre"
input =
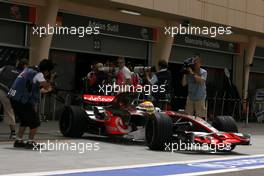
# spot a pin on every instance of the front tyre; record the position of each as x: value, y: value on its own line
x: 159, y: 131
x: 225, y: 124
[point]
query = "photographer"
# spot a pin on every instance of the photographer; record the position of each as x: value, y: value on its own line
x: 195, y: 77
x: 24, y: 95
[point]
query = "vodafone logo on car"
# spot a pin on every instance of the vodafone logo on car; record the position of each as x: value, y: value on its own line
x: 98, y: 98
x: 121, y: 126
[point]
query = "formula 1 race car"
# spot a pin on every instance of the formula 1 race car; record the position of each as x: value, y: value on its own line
x: 128, y: 112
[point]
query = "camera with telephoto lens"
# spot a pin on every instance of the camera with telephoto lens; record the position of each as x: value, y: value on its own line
x: 108, y: 69
x: 141, y: 70
x: 188, y: 63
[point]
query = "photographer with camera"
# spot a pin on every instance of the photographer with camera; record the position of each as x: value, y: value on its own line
x: 195, y: 77
x: 25, y: 94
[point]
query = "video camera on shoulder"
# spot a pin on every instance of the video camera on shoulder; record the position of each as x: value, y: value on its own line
x: 188, y: 63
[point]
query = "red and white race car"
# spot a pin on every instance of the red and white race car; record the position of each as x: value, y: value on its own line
x: 127, y: 113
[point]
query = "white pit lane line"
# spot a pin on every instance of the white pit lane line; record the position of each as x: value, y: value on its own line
x: 57, y: 172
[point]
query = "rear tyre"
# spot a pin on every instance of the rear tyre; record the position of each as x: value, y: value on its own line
x: 72, y: 121
x: 158, y: 131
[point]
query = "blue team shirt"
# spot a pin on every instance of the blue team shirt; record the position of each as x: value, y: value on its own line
x: 197, y: 91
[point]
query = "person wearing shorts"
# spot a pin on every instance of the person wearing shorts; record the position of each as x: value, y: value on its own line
x: 196, y: 80
x: 24, y: 95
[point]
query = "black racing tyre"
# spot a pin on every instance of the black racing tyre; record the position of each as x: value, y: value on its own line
x: 159, y: 131
x: 72, y: 121
x: 225, y: 123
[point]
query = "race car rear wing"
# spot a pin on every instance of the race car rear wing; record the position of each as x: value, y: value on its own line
x: 98, y: 98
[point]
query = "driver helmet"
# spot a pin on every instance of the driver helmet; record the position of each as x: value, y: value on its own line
x: 147, y: 105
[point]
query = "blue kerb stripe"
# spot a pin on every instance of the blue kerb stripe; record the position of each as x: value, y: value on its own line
x: 177, y: 168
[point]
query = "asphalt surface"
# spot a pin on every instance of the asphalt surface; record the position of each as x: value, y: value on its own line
x: 104, y: 152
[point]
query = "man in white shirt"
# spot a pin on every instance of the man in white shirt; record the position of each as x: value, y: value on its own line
x: 123, y: 74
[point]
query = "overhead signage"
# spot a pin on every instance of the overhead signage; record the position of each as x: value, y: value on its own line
x: 109, y: 27
x: 205, y: 43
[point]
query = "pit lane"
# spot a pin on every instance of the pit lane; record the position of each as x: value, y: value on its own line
x: 112, y: 152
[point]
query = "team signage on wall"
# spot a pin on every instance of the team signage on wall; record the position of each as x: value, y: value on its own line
x: 206, y: 43
x: 111, y: 28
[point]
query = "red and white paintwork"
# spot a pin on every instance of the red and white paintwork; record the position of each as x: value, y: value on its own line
x: 212, y: 135
x: 116, y: 126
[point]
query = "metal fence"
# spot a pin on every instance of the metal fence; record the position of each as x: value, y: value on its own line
x: 242, y: 110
